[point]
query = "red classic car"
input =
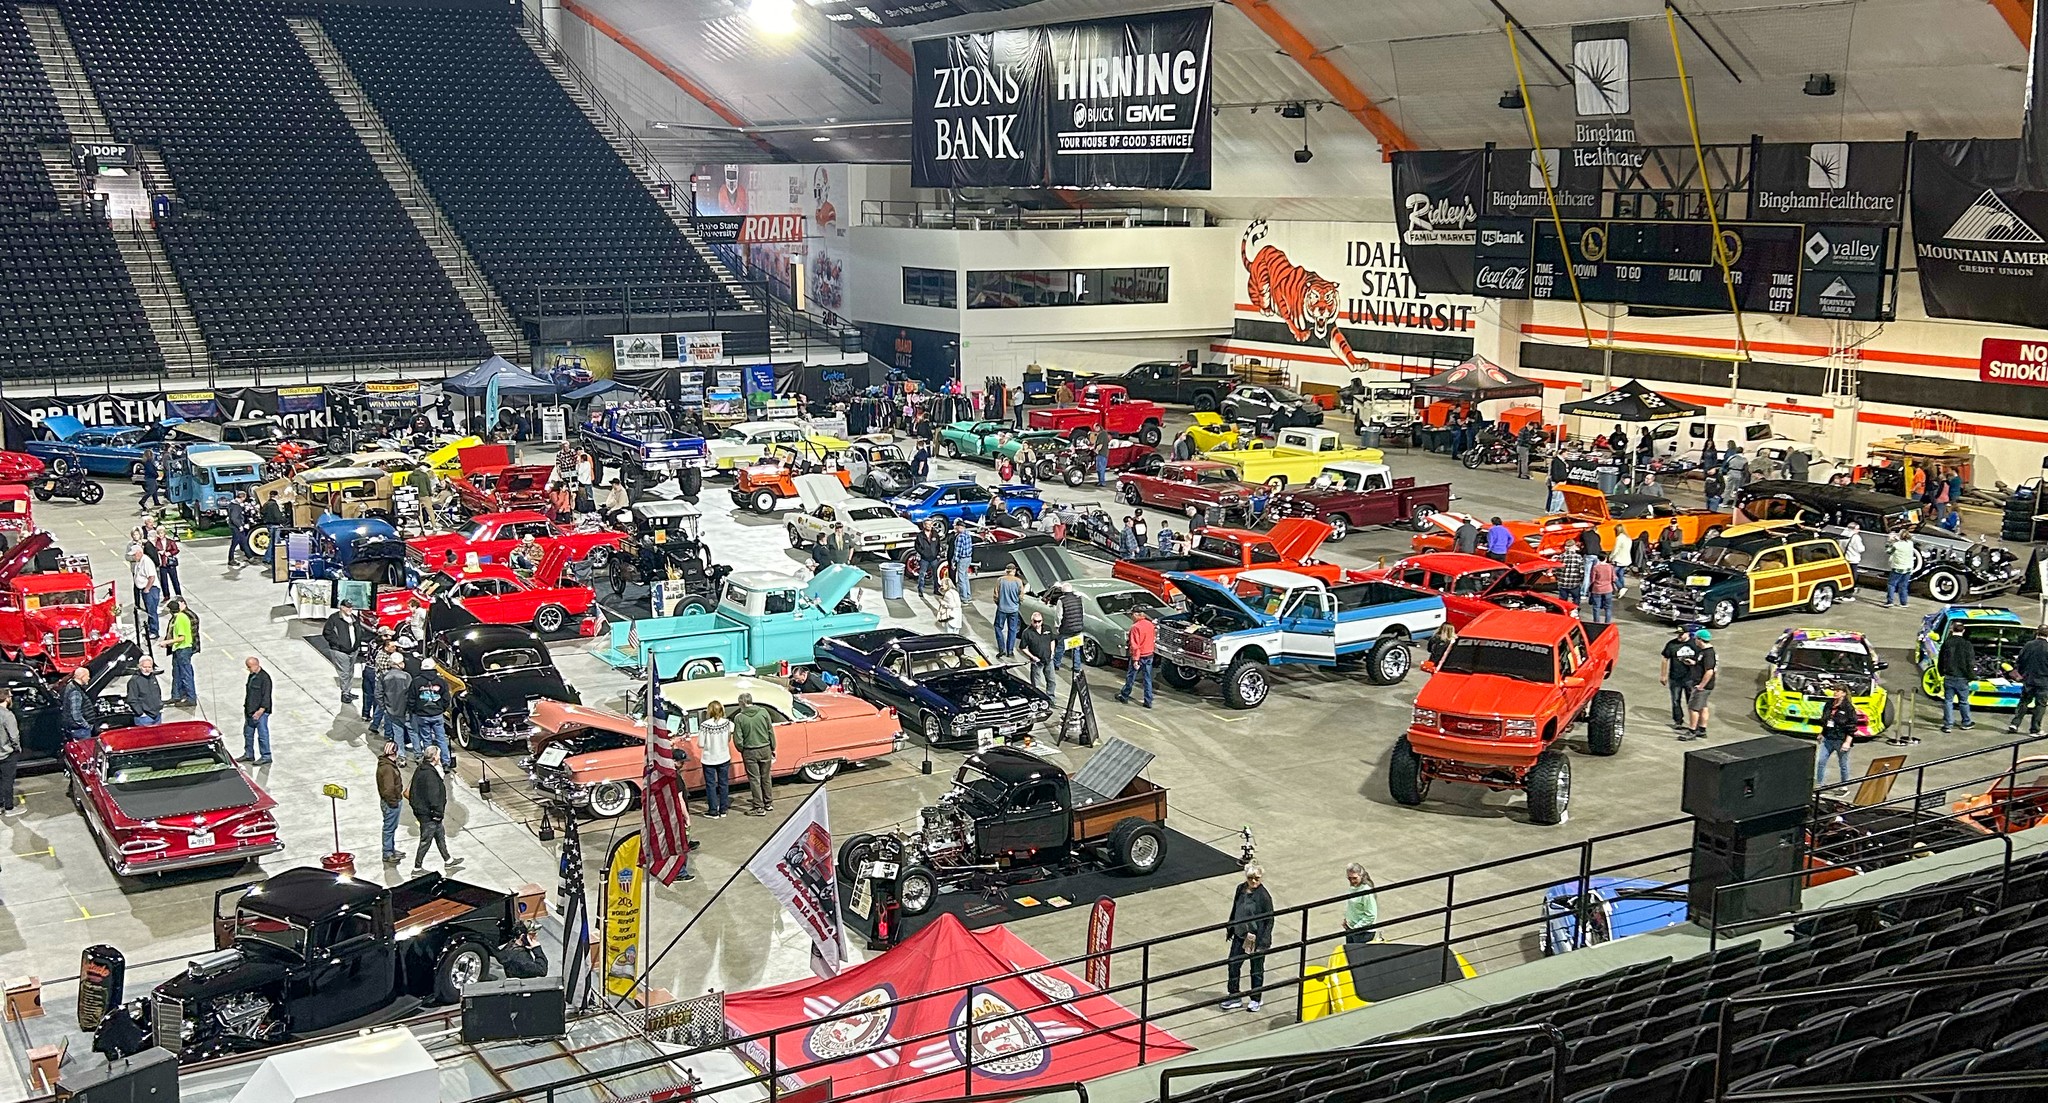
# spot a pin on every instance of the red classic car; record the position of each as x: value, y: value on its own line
x: 1534, y: 544
x: 494, y: 594
x: 19, y: 467
x: 492, y: 536
x: 168, y: 797
x: 1191, y: 486
x: 1075, y: 464
x: 501, y: 489
x: 55, y: 620
x: 1473, y: 584
x: 17, y: 511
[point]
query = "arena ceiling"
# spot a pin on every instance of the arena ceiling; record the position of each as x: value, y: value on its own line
x: 1427, y: 73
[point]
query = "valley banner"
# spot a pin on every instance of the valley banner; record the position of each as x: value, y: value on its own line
x: 1106, y: 103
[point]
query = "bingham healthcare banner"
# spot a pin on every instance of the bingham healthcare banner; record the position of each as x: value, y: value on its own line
x: 1106, y: 103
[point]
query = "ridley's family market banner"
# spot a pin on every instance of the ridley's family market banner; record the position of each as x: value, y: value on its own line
x: 1341, y: 293
x: 303, y: 411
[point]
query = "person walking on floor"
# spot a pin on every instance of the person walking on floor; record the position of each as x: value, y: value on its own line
x: 1099, y: 442
x: 1956, y: 663
x: 429, y: 798
x: 167, y: 551
x: 142, y: 570
x: 10, y: 754
x: 426, y: 711
x: 1838, y: 723
x: 1600, y: 587
x: 1526, y: 443
x: 963, y: 560
x: 1037, y: 645
x: 152, y: 481
x: 145, y: 697
x: 930, y: 549
x: 1852, y: 550
x: 390, y: 799
x: 256, y: 708
x: 393, y: 687
x: 1362, y: 908
x: 1009, y: 611
x: 1623, y: 557
x: 1571, y: 573
x: 2031, y: 667
x: 714, y: 753
x: 754, y: 732
x: 1140, y: 644
x: 1251, y: 934
x: 1680, y: 663
x: 239, y: 524
x: 1706, y: 669
x: 1898, y: 561
x: 182, y: 640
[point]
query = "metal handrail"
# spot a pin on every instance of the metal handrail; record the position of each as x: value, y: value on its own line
x: 646, y: 161
x: 169, y: 286
x: 1546, y: 1031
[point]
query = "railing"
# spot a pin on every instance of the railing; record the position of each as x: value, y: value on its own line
x: 1462, y: 909
x: 165, y: 282
x: 1011, y: 216
x: 1547, y: 1032
x: 805, y: 329
x: 644, y: 157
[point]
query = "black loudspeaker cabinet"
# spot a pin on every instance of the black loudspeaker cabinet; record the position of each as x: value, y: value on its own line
x: 1746, y: 780
x: 148, y: 1077
x: 505, y: 1010
x: 1731, y: 853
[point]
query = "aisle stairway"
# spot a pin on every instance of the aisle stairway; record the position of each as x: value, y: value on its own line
x: 499, y: 327
x: 163, y: 299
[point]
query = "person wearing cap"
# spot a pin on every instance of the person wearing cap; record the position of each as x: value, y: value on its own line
x: 1680, y: 663
x: 343, y: 635
x: 1706, y: 666
x: 1139, y: 643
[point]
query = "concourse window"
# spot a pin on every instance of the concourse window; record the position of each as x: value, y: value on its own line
x: 930, y: 287
x: 1066, y: 287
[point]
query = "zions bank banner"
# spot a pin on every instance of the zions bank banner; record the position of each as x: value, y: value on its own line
x: 1107, y: 103
x: 303, y: 411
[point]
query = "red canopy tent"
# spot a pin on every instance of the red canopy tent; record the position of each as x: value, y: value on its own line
x: 1028, y: 1030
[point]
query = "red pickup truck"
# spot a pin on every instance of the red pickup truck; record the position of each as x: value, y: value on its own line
x: 1106, y: 405
x: 1192, y: 487
x: 1473, y: 585
x: 1352, y: 495
x: 1221, y: 554
x: 1498, y: 704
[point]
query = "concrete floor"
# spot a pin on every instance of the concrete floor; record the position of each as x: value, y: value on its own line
x: 1305, y: 773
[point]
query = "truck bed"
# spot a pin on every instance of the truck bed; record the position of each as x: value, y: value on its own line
x: 1372, y: 594
x: 431, y: 900
x: 1095, y: 815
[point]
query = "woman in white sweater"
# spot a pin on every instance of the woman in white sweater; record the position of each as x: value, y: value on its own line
x: 714, y: 748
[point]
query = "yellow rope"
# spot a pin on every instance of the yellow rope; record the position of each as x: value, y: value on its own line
x: 1692, y: 120
x: 1549, y: 193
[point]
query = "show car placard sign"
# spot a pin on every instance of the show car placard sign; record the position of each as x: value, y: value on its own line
x: 1117, y: 103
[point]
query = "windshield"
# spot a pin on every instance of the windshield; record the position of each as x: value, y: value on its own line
x: 276, y: 933
x: 922, y: 491
x: 1831, y: 658
x: 736, y: 436
x: 1723, y: 555
x: 984, y: 789
x: 482, y: 530
x: 648, y: 425
x: 1115, y: 605
x: 1231, y: 550
x: 434, y: 585
x: 512, y: 658
x: 871, y: 513
x: 47, y: 598
x: 241, y: 474
x: 947, y: 660
x: 259, y: 432
x: 1525, y: 662
x: 1756, y: 430
x: 1283, y: 394
x: 160, y: 767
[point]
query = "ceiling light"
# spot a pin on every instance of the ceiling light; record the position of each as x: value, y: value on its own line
x: 773, y: 17
x: 1294, y: 111
x: 1511, y: 100
x: 1819, y: 84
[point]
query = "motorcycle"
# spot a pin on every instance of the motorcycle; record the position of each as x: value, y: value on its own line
x: 71, y: 484
x: 1491, y: 452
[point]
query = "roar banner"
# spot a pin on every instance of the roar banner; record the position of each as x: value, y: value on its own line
x: 1109, y: 103
x: 1978, y: 233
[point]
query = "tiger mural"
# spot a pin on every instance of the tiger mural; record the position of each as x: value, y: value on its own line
x: 1282, y: 289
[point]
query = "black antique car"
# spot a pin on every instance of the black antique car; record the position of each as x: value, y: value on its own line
x: 941, y: 683
x: 662, y: 542
x: 38, y: 704
x: 310, y: 952
x: 1012, y: 817
x: 1950, y: 567
x: 496, y: 672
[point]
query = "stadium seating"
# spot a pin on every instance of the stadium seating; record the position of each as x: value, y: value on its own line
x: 1647, y: 1033
x: 537, y: 195
x: 66, y: 303
x: 292, y: 248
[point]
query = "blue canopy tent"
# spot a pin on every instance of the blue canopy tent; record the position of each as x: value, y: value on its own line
x: 591, y: 392
x: 512, y: 380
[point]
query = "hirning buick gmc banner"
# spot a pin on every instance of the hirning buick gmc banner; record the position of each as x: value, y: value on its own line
x: 1108, y: 103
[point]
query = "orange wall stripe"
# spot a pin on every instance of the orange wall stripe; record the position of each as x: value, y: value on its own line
x: 690, y: 87
x: 1922, y: 359
x: 1348, y: 95
x: 2019, y: 15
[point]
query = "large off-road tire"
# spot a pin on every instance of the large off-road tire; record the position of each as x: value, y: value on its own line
x: 1606, y: 722
x: 1246, y: 683
x: 917, y: 889
x: 1406, y: 782
x: 611, y: 798
x: 1821, y: 599
x: 1721, y: 614
x: 1549, y: 785
x: 1137, y: 847
x: 855, y: 850
x: 461, y: 965
x: 1180, y: 677
x: 820, y: 772
x: 1148, y: 434
x: 1947, y: 586
x: 550, y: 619
x: 1388, y: 662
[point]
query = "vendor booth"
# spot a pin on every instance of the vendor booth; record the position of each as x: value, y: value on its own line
x: 1464, y: 387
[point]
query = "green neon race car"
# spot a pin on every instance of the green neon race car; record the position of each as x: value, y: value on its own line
x: 1807, y: 665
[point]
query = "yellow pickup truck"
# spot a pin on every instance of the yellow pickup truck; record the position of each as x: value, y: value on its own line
x: 1294, y: 456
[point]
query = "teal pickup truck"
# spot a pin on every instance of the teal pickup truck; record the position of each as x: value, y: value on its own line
x: 763, y: 618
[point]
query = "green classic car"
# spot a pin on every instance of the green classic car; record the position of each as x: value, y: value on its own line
x: 975, y: 440
x: 1107, y: 604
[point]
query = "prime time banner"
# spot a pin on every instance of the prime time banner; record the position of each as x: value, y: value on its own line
x: 1106, y: 103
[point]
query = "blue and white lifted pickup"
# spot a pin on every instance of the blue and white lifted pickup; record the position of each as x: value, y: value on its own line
x: 1268, y: 617
x: 639, y: 439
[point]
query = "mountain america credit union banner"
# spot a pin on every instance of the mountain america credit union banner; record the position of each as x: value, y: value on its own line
x: 1980, y: 235
x: 1107, y: 103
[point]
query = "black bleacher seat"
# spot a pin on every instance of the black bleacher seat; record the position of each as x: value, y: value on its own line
x: 536, y: 193
x: 294, y: 248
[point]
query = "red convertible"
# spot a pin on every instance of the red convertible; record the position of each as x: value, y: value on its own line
x: 56, y: 620
x: 494, y: 594
x: 1473, y: 584
x: 501, y: 489
x: 168, y: 797
x: 1191, y: 487
x: 492, y: 536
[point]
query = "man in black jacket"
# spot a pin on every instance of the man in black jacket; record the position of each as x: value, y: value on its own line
x: 343, y: 635
x: 1251, y: 935
x: 931, y: 550
x: 426, y: 709
x: 1957, y: 665
x: 1037, y: 645
x: 1070, y: 626
x: 145, y: 696
x: 2031, y: 666
x: 238, y: 524
x: 429, y: 799
x: 256, y: 706
x: 75, y: 705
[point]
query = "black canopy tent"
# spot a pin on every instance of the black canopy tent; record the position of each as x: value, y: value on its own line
x: 1633, y: 402
x: 1476, y: 380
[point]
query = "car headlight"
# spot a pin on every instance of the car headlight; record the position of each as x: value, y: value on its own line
x: 1519, y: 727
x: 1424, y: 718
x: 49, y: 638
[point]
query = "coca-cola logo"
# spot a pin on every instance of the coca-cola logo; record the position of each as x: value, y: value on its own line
x: 1503, y: 237
x: 1502, y: 279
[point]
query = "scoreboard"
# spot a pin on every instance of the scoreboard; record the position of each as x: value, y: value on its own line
x: 1777, y: 267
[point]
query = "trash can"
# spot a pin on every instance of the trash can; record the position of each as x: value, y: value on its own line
x: 1370, y: 436
x: 892, y: 581
x: 1610, y: 477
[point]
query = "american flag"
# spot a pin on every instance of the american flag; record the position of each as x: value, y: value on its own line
x: 664, y: 815
x: 575, y: 913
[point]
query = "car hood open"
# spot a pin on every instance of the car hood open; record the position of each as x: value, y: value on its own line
x: 817, y: 489
x: 830, y: 586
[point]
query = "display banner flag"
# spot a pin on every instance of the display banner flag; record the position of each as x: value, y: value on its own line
x: 1514, y: 184
x: 749, y: 229
x: 625, y: 910
x: 1437, y: 194
x: 903, y: 13
x: 300, y: 400
x: 1829, y: 182
x: 664, y: 815
x: 386, y: 398
x: 1101, y: 936
x: 636, y: 351
x: 1105, y: 103
x: 1978, y: 233
x: 2034, y: 115
x: 707, y: 347
x: 796, y: 865
x: 575, y: 913
x: 305, y: 416
x: 195, y: 405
